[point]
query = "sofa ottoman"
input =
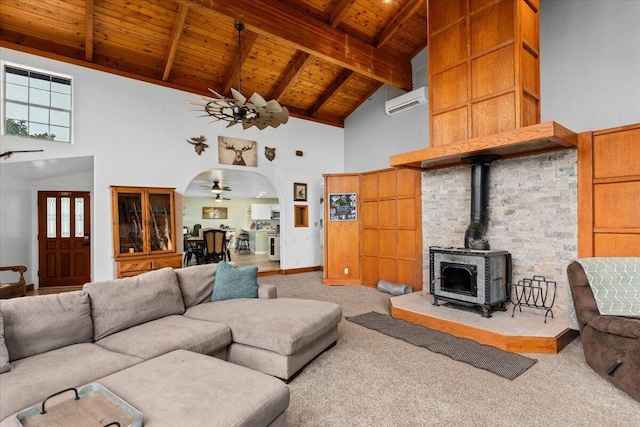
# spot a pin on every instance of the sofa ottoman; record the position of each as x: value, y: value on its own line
x: 275, y: 336
x: 183, y: 388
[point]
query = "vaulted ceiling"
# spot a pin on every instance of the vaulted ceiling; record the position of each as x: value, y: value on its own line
x: 320, y: 58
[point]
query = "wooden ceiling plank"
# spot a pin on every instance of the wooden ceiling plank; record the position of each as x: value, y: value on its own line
x: 290, y: 74
x: 88, y: 31
x: 339, y: 12
x: 247, y: 40
x: 175, y: 39
x: 405, y: 14
x: 293, y: 27
x: 335, y: 87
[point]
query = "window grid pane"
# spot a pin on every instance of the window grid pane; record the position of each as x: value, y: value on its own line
x: 65, y: 217
x: 51, y: 217
x: 79, y: 217
x: 37, y: 105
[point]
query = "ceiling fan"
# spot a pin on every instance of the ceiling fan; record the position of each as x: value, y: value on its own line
x: 219, y: 198
x: 217, y: 188
x: 252, y: 112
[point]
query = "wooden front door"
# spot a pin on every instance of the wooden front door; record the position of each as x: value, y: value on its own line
x: 63, y: 238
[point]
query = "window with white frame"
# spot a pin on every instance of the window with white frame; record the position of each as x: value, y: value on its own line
x: 36, y: 104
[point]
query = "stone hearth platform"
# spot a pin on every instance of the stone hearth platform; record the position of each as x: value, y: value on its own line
x: 526, y: 332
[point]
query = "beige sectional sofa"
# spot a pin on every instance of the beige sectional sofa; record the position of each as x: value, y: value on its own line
x: 160, y: 330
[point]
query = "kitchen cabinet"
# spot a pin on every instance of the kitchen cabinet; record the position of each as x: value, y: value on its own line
x: 144, y: 236
x: 260, y: 211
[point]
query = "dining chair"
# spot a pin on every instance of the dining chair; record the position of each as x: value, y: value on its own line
x: 214, y: 246
x: 196, y: 230
x: 192, y: 249
x: 228, y: 246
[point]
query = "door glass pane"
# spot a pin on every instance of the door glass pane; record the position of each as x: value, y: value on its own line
x: 65, y: 217
x: 79, y: 217
x: 51, y: 217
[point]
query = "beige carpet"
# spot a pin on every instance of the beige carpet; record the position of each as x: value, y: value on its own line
x: 369, y: 379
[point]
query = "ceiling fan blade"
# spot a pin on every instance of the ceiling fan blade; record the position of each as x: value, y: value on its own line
x: 231, y: 123
x: 216, y: 93
x: 240, y: 99
x: 257, y: 100
x: 273, y: 106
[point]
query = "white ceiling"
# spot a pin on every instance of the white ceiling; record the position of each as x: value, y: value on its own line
x: 37, y: 170
x: 244, y: 184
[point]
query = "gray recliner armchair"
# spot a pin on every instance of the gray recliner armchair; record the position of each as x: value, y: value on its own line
x: 611, y: 344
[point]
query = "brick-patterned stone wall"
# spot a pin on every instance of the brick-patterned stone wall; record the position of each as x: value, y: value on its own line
x: 533, y: 215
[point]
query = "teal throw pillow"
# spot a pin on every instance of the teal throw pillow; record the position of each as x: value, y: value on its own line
x: 233, y: 282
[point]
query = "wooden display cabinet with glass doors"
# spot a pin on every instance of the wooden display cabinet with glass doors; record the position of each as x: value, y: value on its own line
x: 144, y: 236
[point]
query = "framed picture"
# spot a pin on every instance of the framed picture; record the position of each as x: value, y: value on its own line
x: 237, y: 152
x: 343, y: 207
x: 299, y: 192
x: 214, y: 212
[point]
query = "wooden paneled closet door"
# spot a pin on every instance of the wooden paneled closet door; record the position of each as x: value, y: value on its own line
x: 609, y: 192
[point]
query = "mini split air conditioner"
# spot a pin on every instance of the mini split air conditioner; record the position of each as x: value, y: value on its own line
x: 407, y: 101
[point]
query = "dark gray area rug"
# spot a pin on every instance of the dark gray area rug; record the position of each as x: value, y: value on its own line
x: 492, y: 359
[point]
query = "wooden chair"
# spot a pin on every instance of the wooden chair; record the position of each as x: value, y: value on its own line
x: 15, y: 289
x: 214, y: 246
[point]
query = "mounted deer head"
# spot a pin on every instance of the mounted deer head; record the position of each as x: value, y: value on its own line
x: 239, y: 160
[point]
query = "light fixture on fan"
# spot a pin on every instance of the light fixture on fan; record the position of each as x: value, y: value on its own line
x: 254, y: 111
x: 219, y: 198
x: 216, y: 188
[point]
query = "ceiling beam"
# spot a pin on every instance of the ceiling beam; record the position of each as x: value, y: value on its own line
x: 247, y: 39
x: 290, y: 74
x: 294, y: 28
x: 178, y: 25
x: 405, y: 14
x: 339, y: 12
x: 88, y: 31
x: 335, y: 87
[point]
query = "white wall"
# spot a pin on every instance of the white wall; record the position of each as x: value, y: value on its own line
x: 137, y: 133
x: 15, y: 232
x: 590, y: 63
x: 371, y: 136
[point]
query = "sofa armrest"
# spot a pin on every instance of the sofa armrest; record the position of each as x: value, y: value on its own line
x: 623, y: 326
x: 267, y: 291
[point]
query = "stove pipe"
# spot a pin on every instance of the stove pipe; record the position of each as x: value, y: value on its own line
x: 473, y: 237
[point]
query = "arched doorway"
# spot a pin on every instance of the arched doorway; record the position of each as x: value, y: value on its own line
x: 243, y: 202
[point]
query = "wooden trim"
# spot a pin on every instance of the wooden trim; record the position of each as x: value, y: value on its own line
x: 524, y: 141
x: 585, y: 194
x: 301, y: 270
x: 513, y: 344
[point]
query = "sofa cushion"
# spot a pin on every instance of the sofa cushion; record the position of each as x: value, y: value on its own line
x: 4, y: 353
x: 235, y: 282
x: 185, y: 388
x: 282, y: 325
x: 196, y: 283
x: 37, y: 324
x: 121, y: 303
x: 169, y: 333
x: 35, y: 378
